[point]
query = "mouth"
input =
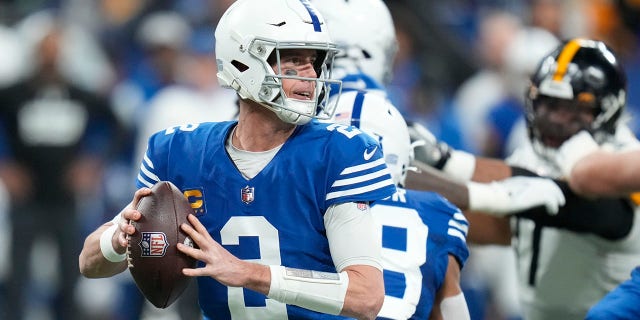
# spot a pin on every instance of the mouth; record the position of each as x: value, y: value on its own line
x: 553, y: 142
x: 302, y: 95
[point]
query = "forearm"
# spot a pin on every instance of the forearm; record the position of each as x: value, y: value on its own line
x: 487, y: 170
x: 92, y: 262
x: 103, y: 251
x: 605, y: 174
x: 450, y: 303
x: 365, y: 293
x: 356, y: 292
x: 486, y: 229
x: 431, y: 179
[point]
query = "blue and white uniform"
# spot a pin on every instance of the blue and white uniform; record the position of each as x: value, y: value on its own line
x: 419, y: 231
x: 276, y: 217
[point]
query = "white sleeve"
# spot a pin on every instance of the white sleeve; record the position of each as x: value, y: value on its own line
x: 354, y: 238
x: 455, y: 308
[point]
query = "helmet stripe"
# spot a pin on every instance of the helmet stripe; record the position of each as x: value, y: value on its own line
x: 357, y: 109
x: 312, y: 13
x: 565, y: 57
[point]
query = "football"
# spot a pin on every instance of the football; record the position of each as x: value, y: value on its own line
x: 153, y: 257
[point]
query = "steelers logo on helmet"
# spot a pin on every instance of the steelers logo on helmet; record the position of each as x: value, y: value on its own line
x: 578, y: 86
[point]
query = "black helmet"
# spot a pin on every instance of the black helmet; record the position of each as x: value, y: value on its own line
x: 579, y: 71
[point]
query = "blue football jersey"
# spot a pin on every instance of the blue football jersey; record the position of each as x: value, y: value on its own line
x: 276, y: 218
x: 419, y: 231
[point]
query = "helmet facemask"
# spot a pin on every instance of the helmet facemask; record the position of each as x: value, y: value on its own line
x: 583, y: 83
x: 291, y: 109
x: 272, y: 94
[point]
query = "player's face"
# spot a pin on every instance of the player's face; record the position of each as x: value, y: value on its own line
x: 556, y: 120
x: 297, y: 62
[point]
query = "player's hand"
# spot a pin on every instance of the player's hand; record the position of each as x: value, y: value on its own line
x: 515, y: 194
x: 427, y: 149
x: 128, y: 214
x: 219, y: 263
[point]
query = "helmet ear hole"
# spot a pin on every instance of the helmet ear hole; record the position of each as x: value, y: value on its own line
x: 239, y: 65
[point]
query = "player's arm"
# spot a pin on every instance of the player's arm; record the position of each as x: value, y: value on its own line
x: 103, y: 252
x: 356, y: 291
x: 450, y: 303
x: 499, y: 198
x: 594, y: 172
x: 607, y: 174
x: 456, y: 164
x: 355, y: 244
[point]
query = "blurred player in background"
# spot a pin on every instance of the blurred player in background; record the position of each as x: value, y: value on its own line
x: 596, y: 171
x: 366, y: 38
x: 579, y: 86
x: 423, y: 235
x: 300, y: 188
x: 56, y: 134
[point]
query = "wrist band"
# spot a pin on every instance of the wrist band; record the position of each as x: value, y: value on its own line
x: 106, y: 246
x: 314, y: 290
x: 460, y: 165
x: 485, y: 197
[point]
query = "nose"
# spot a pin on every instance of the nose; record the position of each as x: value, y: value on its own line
x: 562, y: 114
x: 307, y: 70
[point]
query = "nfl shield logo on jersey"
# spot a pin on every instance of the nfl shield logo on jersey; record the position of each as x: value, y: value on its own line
x: 246, y: 194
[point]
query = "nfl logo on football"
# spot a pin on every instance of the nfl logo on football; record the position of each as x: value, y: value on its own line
x: 246, y: 194
x: 153, y: 244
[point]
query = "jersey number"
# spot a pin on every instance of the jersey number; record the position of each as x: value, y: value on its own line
x: 406, y: 262
x: 269, y: 245
x: 349, y: 132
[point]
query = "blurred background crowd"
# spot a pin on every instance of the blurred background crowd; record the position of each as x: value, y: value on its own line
x: 83, y: 83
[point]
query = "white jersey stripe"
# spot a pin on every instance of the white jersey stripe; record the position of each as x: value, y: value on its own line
x: 148, y: 173
x: 148, y: 161
x: 456, y: 233
x: 462, y: 227
x: 374, y: 186
x: 144, y: 181
x: 370, y: 176
x: 362, y: 167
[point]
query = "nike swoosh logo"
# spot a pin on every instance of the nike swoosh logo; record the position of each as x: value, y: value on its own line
x: 367, y: 155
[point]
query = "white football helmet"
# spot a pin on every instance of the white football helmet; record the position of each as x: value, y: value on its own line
x: 374, y: 115
x: 365, y: 34
x: 252, y: 31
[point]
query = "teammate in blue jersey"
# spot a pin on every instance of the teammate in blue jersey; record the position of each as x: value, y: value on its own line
x: 423, y: 234
x: 282, y: 221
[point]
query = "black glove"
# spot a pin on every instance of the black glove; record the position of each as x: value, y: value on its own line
x: 427, y: 149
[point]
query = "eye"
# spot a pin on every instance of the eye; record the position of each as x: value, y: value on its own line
x: 293, y: 60
x: 290, y: 72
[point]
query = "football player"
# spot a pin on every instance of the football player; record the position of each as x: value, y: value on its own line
x: 282, y: 201
x: 596, y: 171
x: 423, y: 234
x: 365, y: 35
x: 579, y: 86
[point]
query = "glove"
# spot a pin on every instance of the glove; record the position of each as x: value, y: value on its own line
x: 515, y: 194
x: 573, y: 150
x: 427, y: 148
